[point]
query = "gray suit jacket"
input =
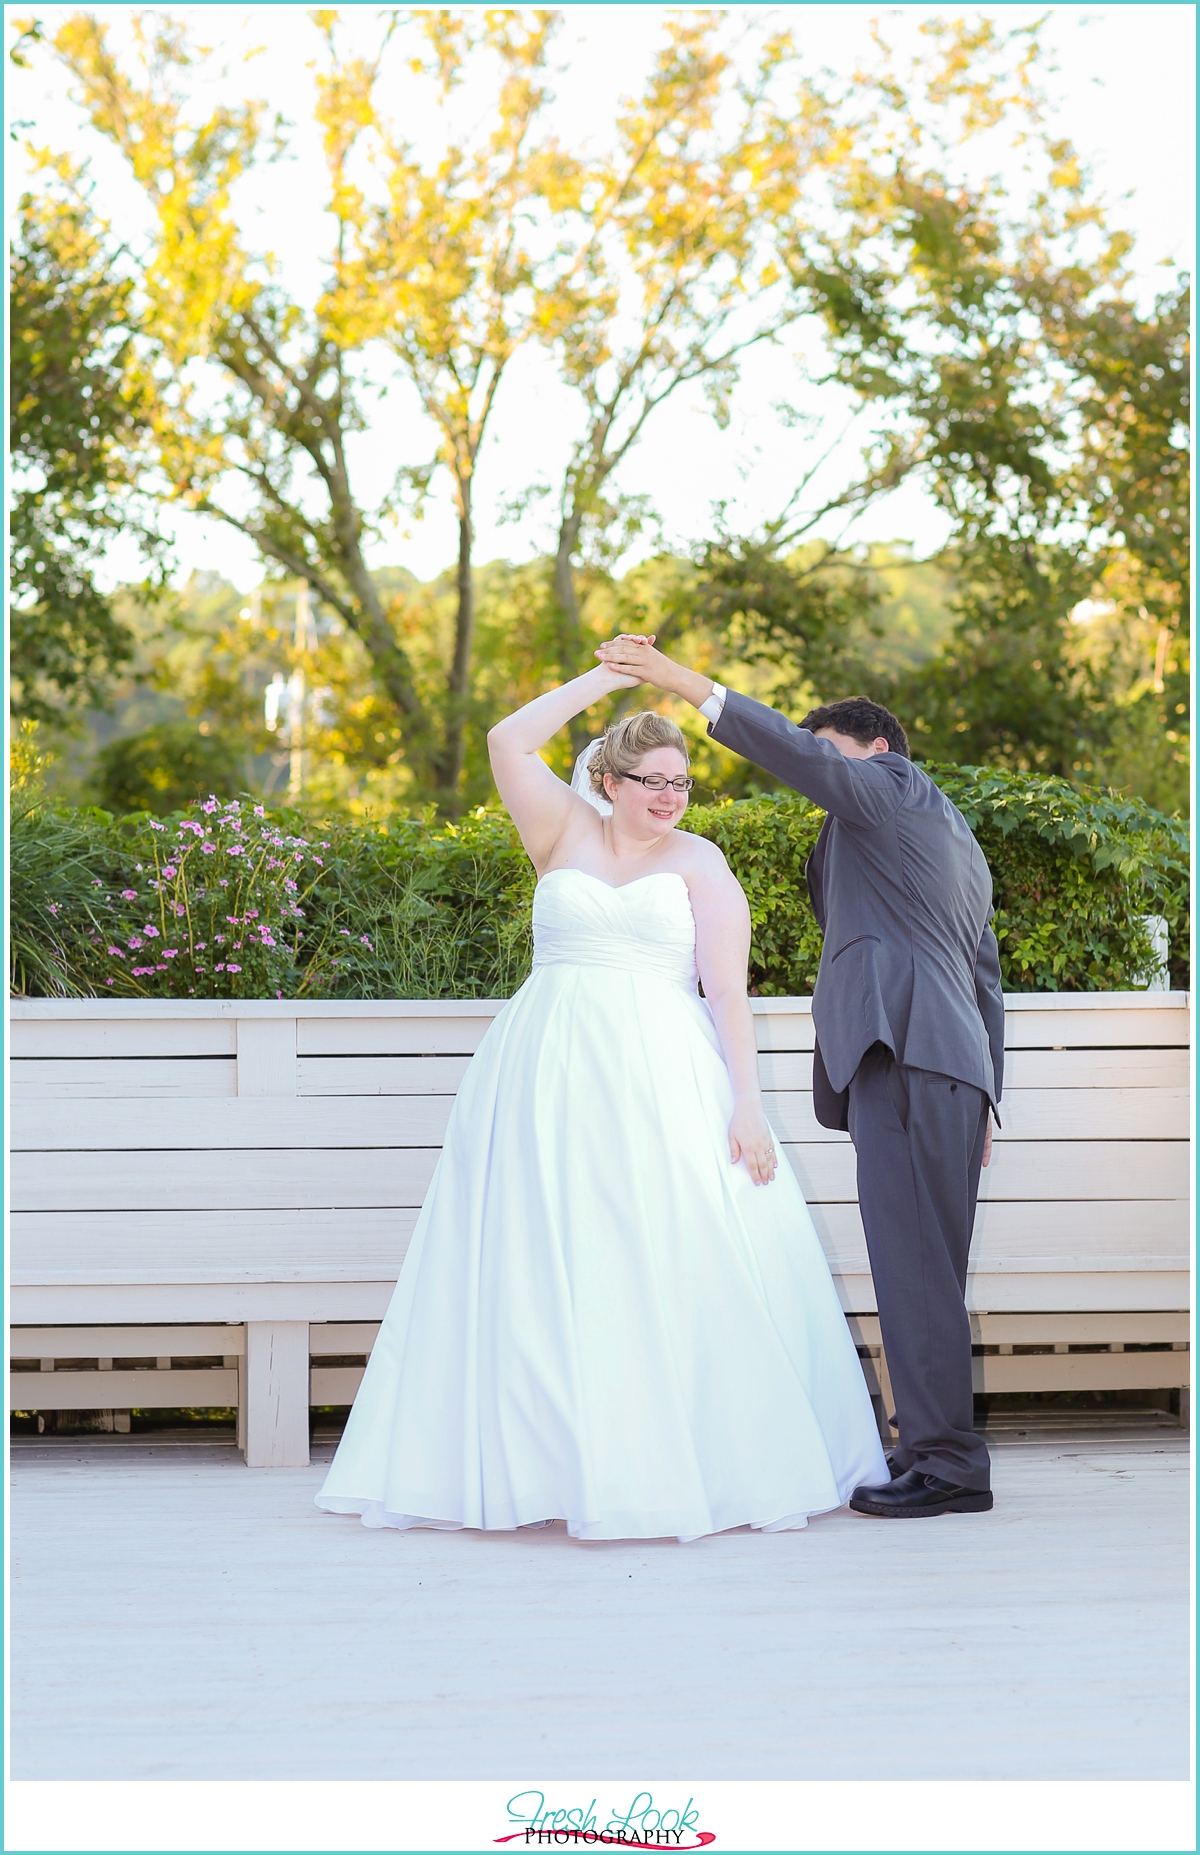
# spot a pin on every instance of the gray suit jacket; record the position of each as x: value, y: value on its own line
x: 904, y: 899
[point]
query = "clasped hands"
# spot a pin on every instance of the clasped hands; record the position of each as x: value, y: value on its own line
x: 632, y: 656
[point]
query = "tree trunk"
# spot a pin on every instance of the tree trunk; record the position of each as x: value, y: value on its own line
x: 570, y: 630
x: 449, y: 764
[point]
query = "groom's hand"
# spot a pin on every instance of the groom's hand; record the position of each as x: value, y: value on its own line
x: 987, y: 1142
x: 636, y: 656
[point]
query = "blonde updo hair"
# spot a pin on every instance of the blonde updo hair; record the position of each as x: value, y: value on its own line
x: 624, y: 745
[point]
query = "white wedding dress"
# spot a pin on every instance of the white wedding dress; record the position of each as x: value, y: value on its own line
x: 600, y: 1319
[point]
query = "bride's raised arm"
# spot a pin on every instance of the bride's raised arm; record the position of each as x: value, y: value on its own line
x: 539, y: 803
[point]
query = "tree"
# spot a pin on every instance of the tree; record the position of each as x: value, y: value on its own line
x: 1006, y: 367
x: 677, y: 277
x: 458, y: 265
x: 78, y: 411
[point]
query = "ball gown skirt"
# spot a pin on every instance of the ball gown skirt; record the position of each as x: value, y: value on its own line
x: 600, y: 1319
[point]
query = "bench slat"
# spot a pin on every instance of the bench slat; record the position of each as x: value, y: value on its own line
x: 1027, y: 1069
x: 173, y: 1038
x: 381, y: 1075
x: 151, y: 1390
x: 370, y: 1244
x: 124, y: 1079
x: 1082, y: 1372
x: 416, y: 1036
x: 346, y: 1177
x: 125, y: 1342
x: 258, y: 1122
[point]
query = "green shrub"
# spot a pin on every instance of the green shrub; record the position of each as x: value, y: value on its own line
x: 164, y: 768
x: 254, y: 904
x: 1074, y: 873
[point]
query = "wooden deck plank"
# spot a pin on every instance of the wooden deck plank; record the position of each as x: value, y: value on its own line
x: 1001, y: 1648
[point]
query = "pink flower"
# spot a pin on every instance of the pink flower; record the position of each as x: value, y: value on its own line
x: 210, y: 804
x: 260, y: 812
x: 319, y: 860
x: 219, y: 967
x: 54, y: 908
x: 366, y: 942
x: 224, y: 881
x: 180, y: 909
x: 135, y: 941
x: 231, y: 968
x: 251, y: 912
x: 169, y: 953
x: 151, y: 933
x: 170, y: 871
x: 129, y: 895
x: 139, y: 970
x: 110, y: 982
x: 208, y: 849
x: 237, y: 850
x: 201, y: 946
x: 157, y: 827
x: 220, y: 939
x: 289, y: 884
x: 138, y: 868
x: 117, y: 955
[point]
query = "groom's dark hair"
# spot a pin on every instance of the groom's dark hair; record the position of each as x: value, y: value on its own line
x: 863, y: 720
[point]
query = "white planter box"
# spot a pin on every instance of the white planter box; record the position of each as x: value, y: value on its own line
x: 260, y: 1164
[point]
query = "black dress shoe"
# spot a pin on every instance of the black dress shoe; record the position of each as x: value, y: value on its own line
x: 893, y: 1470
x: 914, y: 1494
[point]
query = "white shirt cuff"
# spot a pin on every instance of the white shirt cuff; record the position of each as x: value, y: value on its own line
x: 713, y: 705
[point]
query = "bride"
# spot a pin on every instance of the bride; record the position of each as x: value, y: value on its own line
x: 614, y: 1310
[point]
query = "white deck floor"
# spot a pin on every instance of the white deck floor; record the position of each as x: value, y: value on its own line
x: 177, y: 1615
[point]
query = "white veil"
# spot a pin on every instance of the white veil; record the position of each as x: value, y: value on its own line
x: 581, y: 779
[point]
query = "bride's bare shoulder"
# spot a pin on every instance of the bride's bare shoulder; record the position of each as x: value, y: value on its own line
x: 699, y: 860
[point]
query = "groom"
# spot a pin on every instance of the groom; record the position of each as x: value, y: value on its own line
x: 909, y: 1054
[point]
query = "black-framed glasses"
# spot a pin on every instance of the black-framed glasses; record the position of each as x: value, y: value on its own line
x: 658, y: 782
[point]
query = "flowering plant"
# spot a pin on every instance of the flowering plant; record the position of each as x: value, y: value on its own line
x: 209, y: 905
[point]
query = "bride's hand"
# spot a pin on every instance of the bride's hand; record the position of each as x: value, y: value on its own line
x: 617, y: 679
x: 751, y: 1139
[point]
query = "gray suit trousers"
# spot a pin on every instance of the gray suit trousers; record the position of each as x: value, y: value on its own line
x: 919, y: 1144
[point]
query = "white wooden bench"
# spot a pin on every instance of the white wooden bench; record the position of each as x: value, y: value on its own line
x: 211, y: 1200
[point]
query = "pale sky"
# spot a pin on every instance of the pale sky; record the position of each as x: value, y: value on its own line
x: 1123, y: 91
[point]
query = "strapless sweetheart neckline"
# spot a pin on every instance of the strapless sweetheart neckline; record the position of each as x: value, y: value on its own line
x: 566, y: 869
